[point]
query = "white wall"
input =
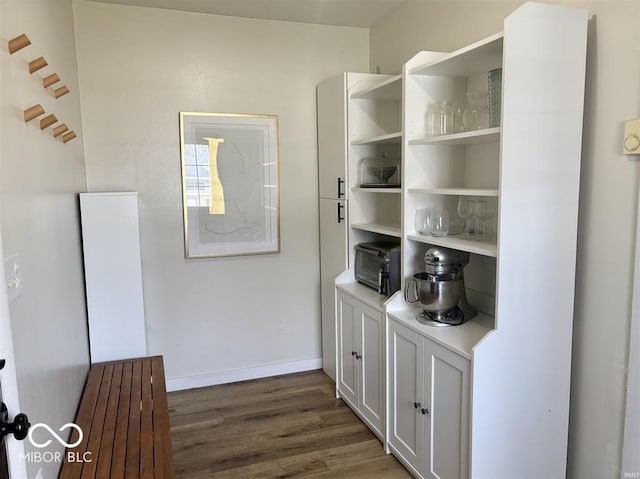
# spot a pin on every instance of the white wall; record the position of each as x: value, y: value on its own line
x: 139, y: 67
x: 39, y: 179
x: 608, y: 200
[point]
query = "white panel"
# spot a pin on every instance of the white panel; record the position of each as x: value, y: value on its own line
x: 405, y: 389
x: 333, y: 261
x: 527, y: 365
x: 371, y: 387
x: 332, y: 137
x: 347, y: 367
x: 111, y: 240
x: 449, y: 392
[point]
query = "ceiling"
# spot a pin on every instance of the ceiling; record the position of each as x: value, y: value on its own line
x: 352, y: 13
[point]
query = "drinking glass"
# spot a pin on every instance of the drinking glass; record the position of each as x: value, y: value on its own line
x: 485, y: 211
x: 439, y: 222
x: 422, y: 221
x: 467, y: 211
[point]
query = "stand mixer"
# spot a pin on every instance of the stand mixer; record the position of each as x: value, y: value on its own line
x: 440, y: 290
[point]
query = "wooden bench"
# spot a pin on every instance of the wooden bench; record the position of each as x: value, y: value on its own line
x: 125, y: 422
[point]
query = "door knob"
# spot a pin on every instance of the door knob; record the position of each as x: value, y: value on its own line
x: 19, y: 427
x: 424, y: 411
x: 416, y: 405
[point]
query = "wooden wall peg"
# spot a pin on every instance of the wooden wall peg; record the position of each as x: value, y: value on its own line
x: 33, y: 112
x: 37, y: 64
x: 68, y: 136
x: 18, y: 43
x: 60, y: 129
x: 63, y: 90
x: 48, y: 121
x: 50, y: 80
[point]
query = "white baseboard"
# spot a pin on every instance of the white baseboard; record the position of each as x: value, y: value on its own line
x: 224, y: 377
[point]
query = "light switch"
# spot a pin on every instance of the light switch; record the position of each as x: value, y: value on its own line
x: 631, y: 142
x: 13, y: 277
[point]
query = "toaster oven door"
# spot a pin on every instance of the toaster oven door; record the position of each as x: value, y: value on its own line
x: 368, y: 268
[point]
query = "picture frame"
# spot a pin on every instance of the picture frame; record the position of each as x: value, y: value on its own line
x: 230, y: 185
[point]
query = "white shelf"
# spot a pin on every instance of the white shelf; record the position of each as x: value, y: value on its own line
x: 478, y: 57
x: 476, y: 137
x: 460, y: 339
x: 461, y: 243
x: 389, y: 229
x: 390, y: 89
x: 456, y: 191
x: 377, y: 190
x: 391, y: 138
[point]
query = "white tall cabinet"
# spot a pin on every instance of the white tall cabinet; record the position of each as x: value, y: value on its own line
x: 113, y: 275
x: 488, y: 398
x: 336, y: 126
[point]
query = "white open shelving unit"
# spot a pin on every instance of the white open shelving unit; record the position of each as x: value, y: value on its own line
x: 501, y: 379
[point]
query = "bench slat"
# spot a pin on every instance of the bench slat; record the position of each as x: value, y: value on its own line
x: 133, y: 438
x: 146, y: 435
x: 162, y: 447
x: 120, y: 447
x: 109, y: 429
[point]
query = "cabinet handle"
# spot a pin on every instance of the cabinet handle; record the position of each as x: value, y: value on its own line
x: 358, y: 356
x: 340, y: 183
x: 416, y: 405
x: 340, y: 217
x: 424, y: 411
x: 353, y: 353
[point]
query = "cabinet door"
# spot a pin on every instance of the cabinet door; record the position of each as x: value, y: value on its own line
x: 448, y: 420
x: 406, y: 390
x: 370, y: 352
x: 333, y: 261
x: 347, y: 367
x: 332, y: 137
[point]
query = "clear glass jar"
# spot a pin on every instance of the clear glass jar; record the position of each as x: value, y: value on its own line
x: 432, y: 119
x: 447, y: 118
x: 476, y: 115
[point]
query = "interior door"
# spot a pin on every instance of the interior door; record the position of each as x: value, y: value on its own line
x: 371, y: 388
x: 10, y: 450
x: 4, y: 464
x: 347, y: 363
x: 406, y: 370
x: 333, y: 261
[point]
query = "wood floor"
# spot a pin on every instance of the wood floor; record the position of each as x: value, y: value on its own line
x: 284, y: 426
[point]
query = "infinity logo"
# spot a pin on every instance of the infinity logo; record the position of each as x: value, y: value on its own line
x: 53, y: 433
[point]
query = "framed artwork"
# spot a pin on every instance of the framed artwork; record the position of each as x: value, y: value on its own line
x: 230, y: 190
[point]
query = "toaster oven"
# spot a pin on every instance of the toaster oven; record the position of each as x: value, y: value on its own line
x: 377, y: 265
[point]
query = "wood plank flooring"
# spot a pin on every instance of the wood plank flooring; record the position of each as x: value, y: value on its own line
x: 283, y: 426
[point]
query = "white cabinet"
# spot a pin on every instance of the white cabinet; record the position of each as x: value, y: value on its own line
x: 340, y: 119
x: 333, y: 257
x: 332, y: 137
x: 113, y: 275
x: 360, y: 359
x: 428, y: 404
